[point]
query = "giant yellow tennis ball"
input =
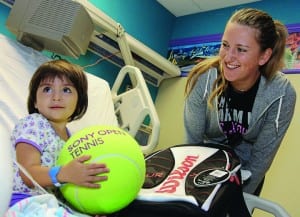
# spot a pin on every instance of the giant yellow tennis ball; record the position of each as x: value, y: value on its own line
x: 122, y: 155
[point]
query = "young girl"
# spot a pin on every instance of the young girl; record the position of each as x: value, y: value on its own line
x: 57, y: 95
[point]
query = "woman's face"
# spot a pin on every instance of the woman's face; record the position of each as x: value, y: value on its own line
x: 241, y: 55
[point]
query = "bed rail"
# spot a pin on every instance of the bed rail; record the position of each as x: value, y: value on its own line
x: 135, y: 105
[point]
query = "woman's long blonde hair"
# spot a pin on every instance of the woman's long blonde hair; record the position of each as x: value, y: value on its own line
x: 270, y: 34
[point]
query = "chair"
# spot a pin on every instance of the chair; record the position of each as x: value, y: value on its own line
x: 268, y: 206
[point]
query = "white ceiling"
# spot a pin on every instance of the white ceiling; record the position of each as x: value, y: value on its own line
x: 188, y: 7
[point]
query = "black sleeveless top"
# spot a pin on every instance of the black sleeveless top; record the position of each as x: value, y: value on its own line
x: 235, y: 109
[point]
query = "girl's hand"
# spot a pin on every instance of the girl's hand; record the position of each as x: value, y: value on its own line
x: 83, y: 174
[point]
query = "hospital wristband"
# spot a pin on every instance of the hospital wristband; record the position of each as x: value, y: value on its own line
x: 53, y: 175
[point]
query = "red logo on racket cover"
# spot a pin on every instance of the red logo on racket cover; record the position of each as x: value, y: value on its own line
x: 177, y: 175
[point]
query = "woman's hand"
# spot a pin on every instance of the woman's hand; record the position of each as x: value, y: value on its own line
x: 83, y: 174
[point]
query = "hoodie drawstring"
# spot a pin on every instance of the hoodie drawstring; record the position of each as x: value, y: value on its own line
x: 206, y: 85
x: 278, y: 114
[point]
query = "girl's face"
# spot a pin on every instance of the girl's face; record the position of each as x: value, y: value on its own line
x: 56, y: 99
x: 241, y: 55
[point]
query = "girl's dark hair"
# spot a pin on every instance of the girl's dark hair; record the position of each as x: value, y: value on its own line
x: 60, y: 69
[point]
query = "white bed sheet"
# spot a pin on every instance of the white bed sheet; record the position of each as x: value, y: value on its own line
x: 18, y: 63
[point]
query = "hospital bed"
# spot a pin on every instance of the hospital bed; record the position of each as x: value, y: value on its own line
x: 106, y: 106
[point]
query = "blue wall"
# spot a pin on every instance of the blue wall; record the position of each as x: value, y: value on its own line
x: 213, y: 22
x: 4, y: 10
x: 146, y: 20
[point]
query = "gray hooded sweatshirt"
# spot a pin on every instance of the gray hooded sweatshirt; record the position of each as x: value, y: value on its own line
x: 271, y: 116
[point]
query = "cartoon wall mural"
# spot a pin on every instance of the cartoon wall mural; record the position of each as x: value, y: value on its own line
x: 187, y: 56
x: 292, y: 55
